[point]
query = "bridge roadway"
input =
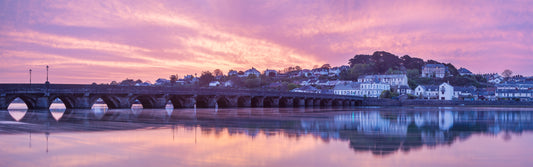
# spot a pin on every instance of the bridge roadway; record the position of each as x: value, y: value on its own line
x: 41, y: 96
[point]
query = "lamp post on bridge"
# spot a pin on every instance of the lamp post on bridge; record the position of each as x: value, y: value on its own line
x: 30, y: 76
x: 47, y: 82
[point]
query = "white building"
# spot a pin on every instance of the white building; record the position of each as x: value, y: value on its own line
x: 320, y: 71
x: 427, y: 91
x: 214, y: 84
x: 393, y: 80
x: 404, y: 89
x: 522, y: 91
x: 335, y: 71
x: 252, y: 71
x: 434, y: 71
x: 271, y: 73
x: 360, y: 89
x: 446, y: 91
x: 372, y: 89
x: 347, y: 89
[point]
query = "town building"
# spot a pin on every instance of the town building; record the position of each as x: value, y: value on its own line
x: 306, y: 89
x: 522, y: 91
x: 464, y: 93
x: 228, y: 83
x: 372, y: 89
x: 270, y: 73
x: 393, y: 79
x: 427, y: 91
x: 463, y: 71
x: 434, y: 71
x: 404, y: 89
x: 320, y: 71
x: 233, y: 73
x: 369, y: 89
x: 446, y: 91
x: 252, y: 71
x: 214, y: 84
x: 347, y: 89
x: 336, y: 71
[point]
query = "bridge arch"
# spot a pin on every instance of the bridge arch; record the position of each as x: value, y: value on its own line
x: 244, y: 101
x: 257, y: 101
x: 271, y: 102
x: 30, y: 102
x: 68, y: 101
x: 110, y: 100
x: 223, y: 102
x: 286, y: 102
x: 177, y: 101
x: 146, y: 101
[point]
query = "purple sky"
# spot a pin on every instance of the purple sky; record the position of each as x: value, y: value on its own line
x: 91, y: 41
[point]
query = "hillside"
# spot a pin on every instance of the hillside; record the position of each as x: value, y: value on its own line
x: 381, y: 62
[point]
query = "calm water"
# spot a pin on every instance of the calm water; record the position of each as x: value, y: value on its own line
x: 439, y: 136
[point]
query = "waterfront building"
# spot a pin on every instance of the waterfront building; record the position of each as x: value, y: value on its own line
x: 434, y: 71
x: 446, y: 91
x: 404, y: 89
x: 372, y: 89
x: 369, y: 89
x: 347, y: 89
x: 523, y: 91
x: 427, y: 91
x: 464, y: 93
x: 393, y: 79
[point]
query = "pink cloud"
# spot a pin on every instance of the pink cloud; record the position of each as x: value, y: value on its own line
x: 159, y: 38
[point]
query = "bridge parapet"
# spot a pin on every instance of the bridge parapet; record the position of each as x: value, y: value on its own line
x: 40, y: 96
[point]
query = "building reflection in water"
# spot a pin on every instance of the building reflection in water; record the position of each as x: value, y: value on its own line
x: 379, y: 131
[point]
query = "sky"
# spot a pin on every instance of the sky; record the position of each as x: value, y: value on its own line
x: 102, y: 41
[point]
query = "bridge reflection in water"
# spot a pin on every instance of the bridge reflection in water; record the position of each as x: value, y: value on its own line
x: 381, y: 131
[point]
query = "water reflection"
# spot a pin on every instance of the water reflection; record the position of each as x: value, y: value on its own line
x: 380, y: 131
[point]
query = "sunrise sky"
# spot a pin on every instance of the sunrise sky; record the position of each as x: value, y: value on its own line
x: 102, y: 41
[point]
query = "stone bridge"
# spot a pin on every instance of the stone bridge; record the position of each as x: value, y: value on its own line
x: 41, y: 96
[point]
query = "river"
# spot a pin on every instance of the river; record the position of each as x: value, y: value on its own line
x: 355, y: 136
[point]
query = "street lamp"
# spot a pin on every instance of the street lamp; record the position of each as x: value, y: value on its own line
x: 30, y: 76
x: 47, y: 82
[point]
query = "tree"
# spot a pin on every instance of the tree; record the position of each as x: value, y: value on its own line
x: 507, y: 73
x: 127, y: 82
x: 173, y: 79
x: 326, y: 66
x: 291, y: 86
x: 206, y: 78
x: 359, y: 59
x: 218, y: 72
x: 113, y: 83
x: 252, y: 82
x: 452, y: 69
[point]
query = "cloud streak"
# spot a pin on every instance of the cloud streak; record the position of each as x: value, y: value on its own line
x: 153, y: 39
